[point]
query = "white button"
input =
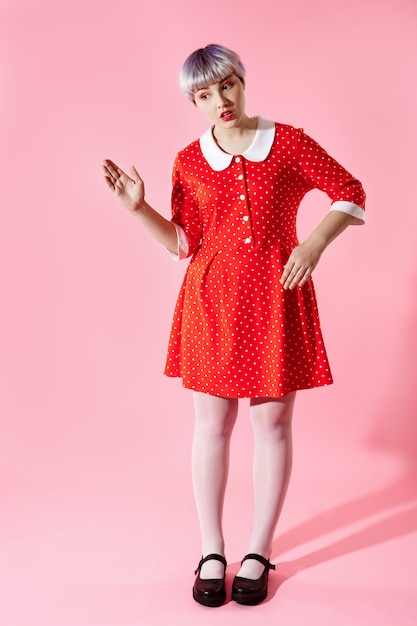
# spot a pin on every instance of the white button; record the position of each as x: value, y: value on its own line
x: 240, y: 177
x: 245, y: 218
x: 248, y: 240
x: 237, y: 159
x: 242, y: 196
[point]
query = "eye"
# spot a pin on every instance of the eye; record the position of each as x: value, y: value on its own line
x: 228, y: 85
x: 204, y: 96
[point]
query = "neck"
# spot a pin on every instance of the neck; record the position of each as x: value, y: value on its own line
x: 237, y: 138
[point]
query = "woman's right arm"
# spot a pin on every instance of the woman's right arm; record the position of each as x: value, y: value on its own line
x: 130, y: 191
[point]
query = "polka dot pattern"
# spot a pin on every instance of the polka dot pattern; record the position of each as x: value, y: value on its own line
x: 236, y: 332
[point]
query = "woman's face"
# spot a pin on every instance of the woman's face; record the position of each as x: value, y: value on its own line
x: 222, y: 103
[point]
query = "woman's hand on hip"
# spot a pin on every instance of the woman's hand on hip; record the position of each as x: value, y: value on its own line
x: 304, y: 258
x: 300, y: 265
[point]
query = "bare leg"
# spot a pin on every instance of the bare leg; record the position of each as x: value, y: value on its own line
x: 215, y: 418
x: 271, y: 421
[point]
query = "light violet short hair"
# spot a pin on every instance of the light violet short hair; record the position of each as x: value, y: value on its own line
x: 207, y: 66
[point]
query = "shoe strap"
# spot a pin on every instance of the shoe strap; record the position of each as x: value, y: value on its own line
x: 257, y: 557
x: 210, y: 557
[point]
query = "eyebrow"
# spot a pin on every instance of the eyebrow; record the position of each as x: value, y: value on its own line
x: 219, y: 83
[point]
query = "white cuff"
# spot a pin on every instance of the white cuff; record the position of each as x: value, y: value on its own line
x: 357, y: 213
x: 182, y: 245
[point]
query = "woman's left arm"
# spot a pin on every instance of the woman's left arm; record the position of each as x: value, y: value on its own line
x: 348, y: 203
x: 304, y: 258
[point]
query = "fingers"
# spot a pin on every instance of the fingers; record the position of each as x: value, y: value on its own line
x: 112, y: 171
x: 129, y: 190
x: 108, y: 181
x: 305, y: 278
x: 293, y: 276
x: 296, y: 271
x: 285, y: 273
x: 134, y: 173
x: 110, y: 174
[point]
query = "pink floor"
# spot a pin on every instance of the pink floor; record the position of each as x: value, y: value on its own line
x: 115, y: 552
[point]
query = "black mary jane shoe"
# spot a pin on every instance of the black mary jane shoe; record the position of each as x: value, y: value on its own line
x: 210, y: 591
x: 248, y: 591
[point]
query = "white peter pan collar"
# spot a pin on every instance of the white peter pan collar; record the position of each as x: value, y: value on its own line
x: 257, y: 151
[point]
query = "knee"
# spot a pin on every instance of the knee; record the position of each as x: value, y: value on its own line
x: 272, y: 418
x: 215, y: 426
x: 215, y: 417
x: 273, y: 427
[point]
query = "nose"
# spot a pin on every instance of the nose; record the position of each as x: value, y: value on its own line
x: 221, y: 99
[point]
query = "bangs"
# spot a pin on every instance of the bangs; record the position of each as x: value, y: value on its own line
x: 207, y: 76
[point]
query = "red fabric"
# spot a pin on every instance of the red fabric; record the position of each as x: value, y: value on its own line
x: 236, y: 332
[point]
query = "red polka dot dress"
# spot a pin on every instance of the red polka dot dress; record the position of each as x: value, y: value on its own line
x: 236, y: 332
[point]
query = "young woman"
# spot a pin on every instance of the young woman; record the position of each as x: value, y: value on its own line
x: 246, y: 323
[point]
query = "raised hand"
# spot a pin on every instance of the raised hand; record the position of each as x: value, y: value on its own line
x: 129, y: 190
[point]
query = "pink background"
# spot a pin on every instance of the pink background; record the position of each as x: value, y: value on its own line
x: 97, y: 523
